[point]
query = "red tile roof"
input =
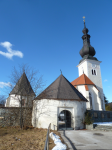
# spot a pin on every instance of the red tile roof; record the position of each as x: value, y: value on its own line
x: 83, y: 80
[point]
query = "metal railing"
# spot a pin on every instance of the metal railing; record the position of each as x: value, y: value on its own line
x: 54, y: 126
x: 46, y: 147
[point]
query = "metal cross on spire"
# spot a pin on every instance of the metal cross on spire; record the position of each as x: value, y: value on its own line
x: 84, y: 20
x: 61, y: 71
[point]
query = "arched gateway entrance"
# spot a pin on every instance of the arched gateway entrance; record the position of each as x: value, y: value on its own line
x: 64, y: 120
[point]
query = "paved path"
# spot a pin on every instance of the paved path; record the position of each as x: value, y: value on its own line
x: 85, y: 139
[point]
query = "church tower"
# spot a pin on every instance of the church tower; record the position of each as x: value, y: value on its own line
x: 89, y: 65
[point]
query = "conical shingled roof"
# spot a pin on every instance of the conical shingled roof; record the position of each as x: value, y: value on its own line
x: 23, y: 87
x: 61, y: 89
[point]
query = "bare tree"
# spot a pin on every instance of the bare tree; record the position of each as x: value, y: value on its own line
x: 25, y: 86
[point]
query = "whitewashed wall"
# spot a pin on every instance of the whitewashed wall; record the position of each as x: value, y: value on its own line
x: 87, y: 66
x: 47, y: 111
x: 96, y: 101
x: 14, y: 100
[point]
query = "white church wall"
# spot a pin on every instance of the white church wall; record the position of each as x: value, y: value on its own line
x: 88, y: 65
x: 88, y: 103
x: 81, y: 89
x: 97, y: 99
x: 90, y: 87
x: 96, y: 79
x: 47, y: 111
x: 96, y: 102
x: 15, y: 100
x: 82, y: 67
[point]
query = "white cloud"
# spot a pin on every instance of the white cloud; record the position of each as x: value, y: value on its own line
x: 3, y: 84
x: 10, y: 52
x: 105, y: 80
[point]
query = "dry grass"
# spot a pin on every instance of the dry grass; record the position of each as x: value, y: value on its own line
x: 28, y: 139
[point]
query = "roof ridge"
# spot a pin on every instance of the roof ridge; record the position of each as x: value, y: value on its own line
x: 59, y: 85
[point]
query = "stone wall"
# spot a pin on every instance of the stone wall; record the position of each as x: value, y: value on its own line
x: 101, y: 116
x: 10, y: 116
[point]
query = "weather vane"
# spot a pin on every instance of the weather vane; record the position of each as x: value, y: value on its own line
x: 83, y: 18
x: 61, y: 71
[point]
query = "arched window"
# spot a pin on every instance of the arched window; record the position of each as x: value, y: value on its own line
x: 90, y: 99
x: 93, y: 72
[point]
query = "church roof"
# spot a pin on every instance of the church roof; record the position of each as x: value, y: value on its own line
x: 23, y: 87
x: 83, y: 80
x: 61, y: 89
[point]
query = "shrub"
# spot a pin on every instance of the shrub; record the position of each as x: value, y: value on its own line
x: 108, y: 108
x: 88, y: 118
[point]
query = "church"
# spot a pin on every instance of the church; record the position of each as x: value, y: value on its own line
x: 64, y: 103
x: 23, y: 88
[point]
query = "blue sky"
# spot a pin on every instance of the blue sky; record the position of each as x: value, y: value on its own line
x: 46, y: 34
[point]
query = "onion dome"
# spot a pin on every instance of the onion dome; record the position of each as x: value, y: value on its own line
x: 87, y: 51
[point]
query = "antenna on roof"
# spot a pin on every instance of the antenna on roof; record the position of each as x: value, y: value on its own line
x: 61, y: 71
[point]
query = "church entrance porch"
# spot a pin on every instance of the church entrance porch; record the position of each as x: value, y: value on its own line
x: 64, y: 120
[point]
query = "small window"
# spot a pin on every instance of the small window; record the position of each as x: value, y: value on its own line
x: 93, y: 72
x: 108, y: 115
x: 95, y: 115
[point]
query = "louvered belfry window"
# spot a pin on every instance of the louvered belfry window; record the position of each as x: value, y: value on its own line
x: 93, y: 72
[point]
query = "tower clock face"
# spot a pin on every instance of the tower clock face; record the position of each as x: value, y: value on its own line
x: 93, y: 65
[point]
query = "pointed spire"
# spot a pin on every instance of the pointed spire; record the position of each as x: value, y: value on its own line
x: 23, y: 86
